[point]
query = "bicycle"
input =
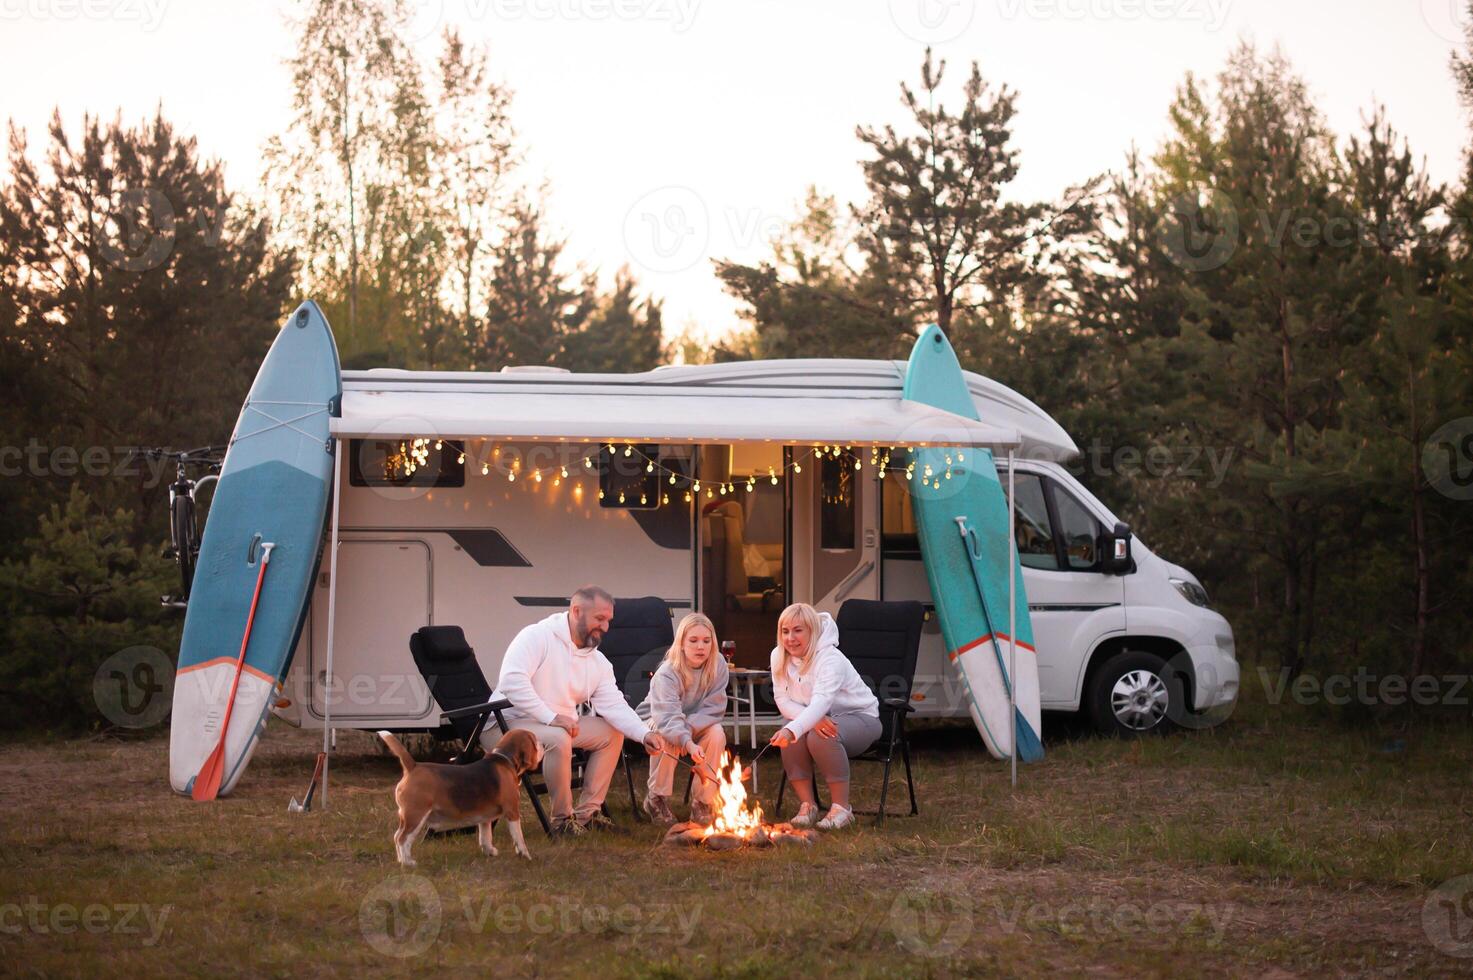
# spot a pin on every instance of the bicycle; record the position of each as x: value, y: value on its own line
x: 184, y: 525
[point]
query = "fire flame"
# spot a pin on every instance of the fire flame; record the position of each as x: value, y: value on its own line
x: 731, y: 813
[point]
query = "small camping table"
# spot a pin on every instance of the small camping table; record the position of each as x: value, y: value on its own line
x: 741, y: 691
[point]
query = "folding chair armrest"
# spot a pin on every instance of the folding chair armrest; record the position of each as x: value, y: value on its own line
x: 476, y: 710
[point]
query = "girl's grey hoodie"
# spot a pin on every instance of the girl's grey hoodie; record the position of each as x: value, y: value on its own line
x: 678, y: 714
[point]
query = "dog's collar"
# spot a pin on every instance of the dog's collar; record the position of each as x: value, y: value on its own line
x: 500, y: 754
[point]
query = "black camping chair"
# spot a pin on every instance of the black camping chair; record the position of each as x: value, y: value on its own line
x: 449, y: 666
x: 881, y: 639
x: 638, y: 637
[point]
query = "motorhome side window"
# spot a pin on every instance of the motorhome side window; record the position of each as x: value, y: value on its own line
x: 409, y: 462
x: 1078, y: 529
x: 836, y: 504
x: 628, y: 477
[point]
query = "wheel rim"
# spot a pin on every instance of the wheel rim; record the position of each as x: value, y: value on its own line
x: 1139, y: 700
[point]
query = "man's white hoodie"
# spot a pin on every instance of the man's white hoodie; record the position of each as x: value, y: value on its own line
x: 544, y: 675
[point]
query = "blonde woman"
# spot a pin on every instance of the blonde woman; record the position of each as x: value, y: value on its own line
x: 686, y: 703
x: 832, y: 714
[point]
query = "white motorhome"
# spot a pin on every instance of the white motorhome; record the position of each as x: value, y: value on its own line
x: 484, y: 499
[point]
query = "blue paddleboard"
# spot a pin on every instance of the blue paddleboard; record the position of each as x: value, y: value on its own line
x: 274, y: 487
x: 961, y: 513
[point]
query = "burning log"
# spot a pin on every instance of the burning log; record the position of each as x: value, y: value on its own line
x: 735, y: 823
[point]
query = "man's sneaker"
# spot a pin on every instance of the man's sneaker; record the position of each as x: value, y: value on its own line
x: 701, y: 813
x: 806, y: 815
x: 839, y: 816
x: 597, y: 821
x: 658, y: 809
x: 567, y: 829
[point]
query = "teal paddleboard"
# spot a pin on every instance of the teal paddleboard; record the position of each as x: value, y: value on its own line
x: 274, y: 488
x: 961, y: 513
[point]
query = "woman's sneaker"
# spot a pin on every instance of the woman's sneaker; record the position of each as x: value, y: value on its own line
x: 839, y: 816
x: 806, y: 815
x: 658, y: 809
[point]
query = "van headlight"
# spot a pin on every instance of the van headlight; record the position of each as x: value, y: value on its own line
x: 1192, y: 592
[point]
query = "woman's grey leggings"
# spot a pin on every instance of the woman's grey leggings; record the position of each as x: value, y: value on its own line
x: 857, y: 732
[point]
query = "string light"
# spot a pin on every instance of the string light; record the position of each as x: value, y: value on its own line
x: 414, y: 455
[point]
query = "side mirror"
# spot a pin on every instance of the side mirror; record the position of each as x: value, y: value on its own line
x: 1115, y: 557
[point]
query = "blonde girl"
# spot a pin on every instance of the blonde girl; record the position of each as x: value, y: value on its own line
x: 832, y: 714
x: 686, y: 704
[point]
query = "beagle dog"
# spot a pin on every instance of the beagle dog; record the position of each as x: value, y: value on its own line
x: 445, y: 797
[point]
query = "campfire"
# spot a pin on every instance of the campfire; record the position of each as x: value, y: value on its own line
x: 736, y: 822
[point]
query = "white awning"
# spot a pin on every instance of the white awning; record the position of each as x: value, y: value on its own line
x: 652, y: 414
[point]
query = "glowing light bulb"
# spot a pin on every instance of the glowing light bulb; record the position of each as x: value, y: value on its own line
x: 485, y: 469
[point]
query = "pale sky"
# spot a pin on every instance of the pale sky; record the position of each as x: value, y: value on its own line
x: 677, y: 131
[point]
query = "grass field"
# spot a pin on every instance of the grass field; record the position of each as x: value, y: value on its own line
x: 1279, y: 844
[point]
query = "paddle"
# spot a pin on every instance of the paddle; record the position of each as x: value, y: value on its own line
x: 207, y: 782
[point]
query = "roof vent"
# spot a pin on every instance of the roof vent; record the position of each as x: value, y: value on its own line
x: 533, y: 369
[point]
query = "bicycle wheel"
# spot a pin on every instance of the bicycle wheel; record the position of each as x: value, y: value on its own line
x: 186, y: 544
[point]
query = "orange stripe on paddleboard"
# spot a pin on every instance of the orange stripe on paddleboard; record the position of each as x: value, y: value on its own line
x: 1001, y: 638
x: 230, y: 662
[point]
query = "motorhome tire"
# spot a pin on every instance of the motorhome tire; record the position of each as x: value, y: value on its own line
x: 1133, y: 694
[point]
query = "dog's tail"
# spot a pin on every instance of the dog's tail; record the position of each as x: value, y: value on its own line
x: 405, y: 759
